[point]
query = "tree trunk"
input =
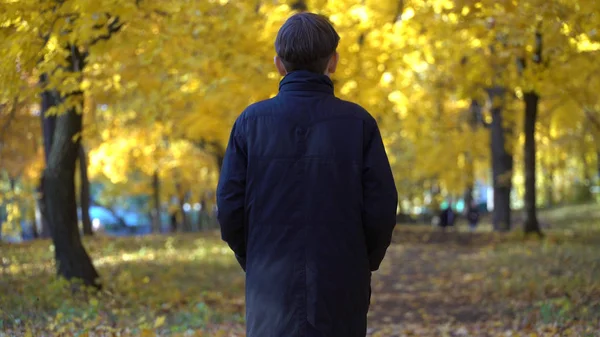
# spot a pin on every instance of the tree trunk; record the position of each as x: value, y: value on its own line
x: 34, y: 229
x: 72, y: 260
x: 156, y: 219
x: 49, y: 98
x: 2, y: 219
x: 550, y: 186
x: 468, y: 196
x: 502, y: 164
x: 588, y: 182
x: 84, y: 192
x: 173, y: 219
x: 531, y: 111
x: 203, y: 214
x: 184, y: 216
x: 58, y: 186
x: 598, y: 167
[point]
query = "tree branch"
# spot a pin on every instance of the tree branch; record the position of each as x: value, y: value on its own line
x: 399, y: 10
x: 112, y: 28
x: 592, y: 119
x: 111, y: 210
x: 11, y: 117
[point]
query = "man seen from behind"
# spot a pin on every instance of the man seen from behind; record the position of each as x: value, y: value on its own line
x: 306, y: 197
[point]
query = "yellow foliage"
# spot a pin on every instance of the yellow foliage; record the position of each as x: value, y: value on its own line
x: 163, y: 81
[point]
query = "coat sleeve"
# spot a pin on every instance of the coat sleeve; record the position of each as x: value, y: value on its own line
x: 231, y: 192
x: 380, y: 198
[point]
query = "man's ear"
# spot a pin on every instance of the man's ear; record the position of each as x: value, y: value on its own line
x: 333, y: 62
x: 279, y: 65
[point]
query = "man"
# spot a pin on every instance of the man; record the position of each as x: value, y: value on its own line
x: 306, y: 198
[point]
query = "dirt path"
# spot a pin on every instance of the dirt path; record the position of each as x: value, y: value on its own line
x: 418, y: 291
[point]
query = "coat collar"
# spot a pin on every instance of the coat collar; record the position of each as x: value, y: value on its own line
x: 302, y: 80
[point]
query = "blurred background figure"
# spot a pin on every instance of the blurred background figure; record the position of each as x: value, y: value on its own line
x: 472, y: 216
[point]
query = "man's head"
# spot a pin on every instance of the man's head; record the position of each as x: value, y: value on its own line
x: 306, y: 41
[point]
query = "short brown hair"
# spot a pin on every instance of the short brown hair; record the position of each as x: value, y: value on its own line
x: 306, y: 41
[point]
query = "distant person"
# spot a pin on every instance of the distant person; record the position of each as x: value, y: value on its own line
x: 306, y: 197
x: 473, y: 216
x: 447, y: 218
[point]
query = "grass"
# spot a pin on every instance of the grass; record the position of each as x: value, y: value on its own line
x: 190, y: 280
x: 430, y: 284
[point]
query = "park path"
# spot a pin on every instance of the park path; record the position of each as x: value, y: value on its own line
x: 427, y: 287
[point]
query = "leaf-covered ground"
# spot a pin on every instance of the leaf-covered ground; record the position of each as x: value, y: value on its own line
x: 431, y: 284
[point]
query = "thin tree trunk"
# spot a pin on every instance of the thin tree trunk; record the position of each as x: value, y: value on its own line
x: 598, y: 167
x: 550, y: 185
x: 184, y: 216
x: 12, y: 186
x: 502, y: 163
x: 156, y: 219
x: 588, y: 181
x: 531, y: 111
x: 468, y: 196
x: 34, y: 228
x: 173, y: 219
x: 203, y: 214
x: 84, y: 193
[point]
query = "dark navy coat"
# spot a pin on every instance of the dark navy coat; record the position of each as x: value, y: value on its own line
x: 307, y: 202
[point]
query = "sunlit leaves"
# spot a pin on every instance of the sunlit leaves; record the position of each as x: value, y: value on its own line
x: 181, y: 72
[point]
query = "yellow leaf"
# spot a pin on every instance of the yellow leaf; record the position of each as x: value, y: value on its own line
x: 85, y: 84
x: 147, y: 333
x: 160, y: 320
x: 28, y: 333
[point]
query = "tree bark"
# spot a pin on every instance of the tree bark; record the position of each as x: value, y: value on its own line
x: 502, y: 163
x: 34, y: 229
x: 468, y: 196
x: 185, y: 226
x: 58, y: 186
x: 156, y: 219
x: 49, y: 98
x: 597, y: 178
x: 84, y: 192
x: 588, y: 182
x: 72, y: 260
x: 531, y: 111
x: 203, y: 214
x: 598, y: 167
x: 550, y: 186
x: 173, y: 219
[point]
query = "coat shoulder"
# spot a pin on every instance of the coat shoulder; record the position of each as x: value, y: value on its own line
x: 357, y: 111
x: 257, y: 108
x: 253, y: 110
